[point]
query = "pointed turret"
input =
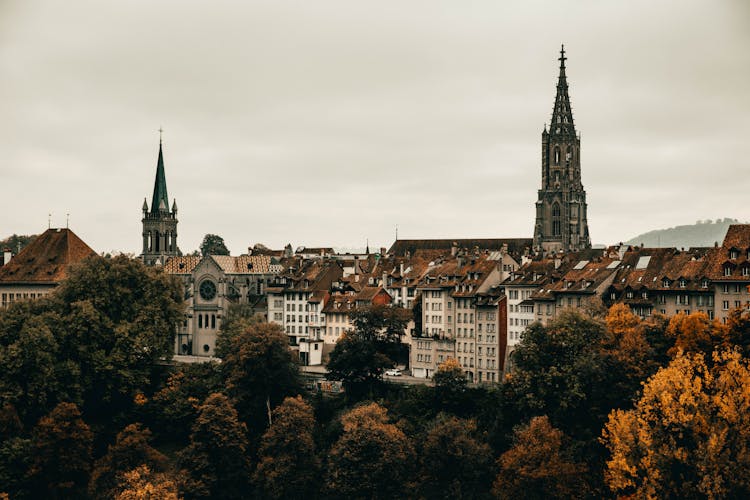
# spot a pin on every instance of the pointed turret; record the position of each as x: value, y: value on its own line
x: 145, y: 205
x: 174, y: 205
x: 160, y: 201
x: 562, y: 114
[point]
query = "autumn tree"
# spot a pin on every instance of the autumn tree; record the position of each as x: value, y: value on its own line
x: 288, y: 466
x: 450, y: 384
x: 371, y: 459
x: 61, y: 451
x: 143, y: 484
x: 688, y: 435
x: 130, y: 450
x: 259, y: 372
x: 695, y: 333
x: 539, y: 465
x: 215, y: 464
x: 454, y: 463
x: 174, y: 407
x: 213, y: 244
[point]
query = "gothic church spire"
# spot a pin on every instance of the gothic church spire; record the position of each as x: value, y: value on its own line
x: 562, y: 114
x: 160, y: 200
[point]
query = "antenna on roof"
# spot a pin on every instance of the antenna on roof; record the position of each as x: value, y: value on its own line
x: 49, y: 221
x: 396, y: 232
x: 67, y: 220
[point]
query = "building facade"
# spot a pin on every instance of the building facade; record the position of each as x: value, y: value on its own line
x: 561, y: 220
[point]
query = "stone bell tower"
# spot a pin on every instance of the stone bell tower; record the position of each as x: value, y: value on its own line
x: 159, y: 223
x: 561, y: 222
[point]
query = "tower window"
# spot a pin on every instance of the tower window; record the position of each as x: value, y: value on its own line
x: 556, y: 220
x: 557, y: 156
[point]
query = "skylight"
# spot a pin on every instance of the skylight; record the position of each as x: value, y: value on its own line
x: 581, y: 264
x: 613, y: 264
x: 643, y: 262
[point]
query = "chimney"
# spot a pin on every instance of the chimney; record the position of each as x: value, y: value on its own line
x: 385, y: 280
x: 454, y: 248
x: 7, y: 255
x: 558, y: 261
x: 401, y: 269
x: 382, y: 251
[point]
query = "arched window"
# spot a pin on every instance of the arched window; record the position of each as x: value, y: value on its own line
x: 156, y: 246
x: 200, y: 321
x: 557, y: 155
x: 556, y: 220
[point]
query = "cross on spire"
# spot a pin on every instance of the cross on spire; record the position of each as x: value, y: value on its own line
x: 160, y: 132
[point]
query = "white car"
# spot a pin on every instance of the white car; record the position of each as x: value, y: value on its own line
x: 393, y: 372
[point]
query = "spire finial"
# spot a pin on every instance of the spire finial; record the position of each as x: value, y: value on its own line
x: 562, y: 56
x: 160, y: 132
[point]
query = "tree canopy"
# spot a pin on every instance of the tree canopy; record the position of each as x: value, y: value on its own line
x: 213, y: 244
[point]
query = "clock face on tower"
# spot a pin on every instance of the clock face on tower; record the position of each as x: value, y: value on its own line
x: 207, y: 290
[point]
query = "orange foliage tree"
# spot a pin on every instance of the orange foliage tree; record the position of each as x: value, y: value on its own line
x: 538, y: 465
x: 372, y: 458
x: 143, y: 484
x: 688, y: 435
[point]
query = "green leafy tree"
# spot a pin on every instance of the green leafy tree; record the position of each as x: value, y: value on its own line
x: 98, y: 340
x: 215, y: 464
x: 130, y: 450
x: 16, y: 457
x: 539, y: 466
x: 288, y: 466
x: 61, y: 451
x: 213, y: 245
x: 372, y: 458
x: 450, y: 384
x: 361, y: 356
x: 454, y: 463
x: 260, y: 372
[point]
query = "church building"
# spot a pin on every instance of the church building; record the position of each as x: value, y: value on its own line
x: 561, y: 222
x: 159, y: 223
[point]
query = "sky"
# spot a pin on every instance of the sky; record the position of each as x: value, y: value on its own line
x: 328, y: 123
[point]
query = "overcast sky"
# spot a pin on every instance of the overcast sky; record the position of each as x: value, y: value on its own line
x: 329, y: 122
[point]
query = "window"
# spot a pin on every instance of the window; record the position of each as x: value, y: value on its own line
x: 727, y: 271
x: 725, y: 305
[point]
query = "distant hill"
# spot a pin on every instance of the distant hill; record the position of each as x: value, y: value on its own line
x: 701, y: 234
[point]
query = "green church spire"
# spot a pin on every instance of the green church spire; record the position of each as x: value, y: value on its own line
x: 160, y: 201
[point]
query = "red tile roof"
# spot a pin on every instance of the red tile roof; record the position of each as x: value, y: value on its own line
x: 46, y: 259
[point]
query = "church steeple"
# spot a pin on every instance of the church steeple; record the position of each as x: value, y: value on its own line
x: 561, y: 210
x: 562, y: 114
x: 160, y: 200
x: 159, y: 224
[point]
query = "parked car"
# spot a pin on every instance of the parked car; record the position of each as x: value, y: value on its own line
x: 393, y: 372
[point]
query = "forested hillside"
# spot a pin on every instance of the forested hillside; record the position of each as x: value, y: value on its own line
x: 701, y: 234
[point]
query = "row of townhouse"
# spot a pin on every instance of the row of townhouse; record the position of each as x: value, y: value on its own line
x: 463, y: 316
x: 665, y: 281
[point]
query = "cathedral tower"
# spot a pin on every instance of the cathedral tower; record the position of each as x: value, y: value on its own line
x: 561, y: 209
x: 159, y: 224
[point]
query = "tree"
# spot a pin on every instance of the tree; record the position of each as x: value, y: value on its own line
x: 561, y: 371
x: 259, y: 372
x: 287, y: 464
x: 450, y: 384
x: 213, y: 245
x: 143, y: 484
x: 688, y: 435
x: 130, y: 450
x: 61, y: 451
x: 97, y: 341
x: 357, y: 362
x: 372, y: 457
x: 215, y: 463
x: 175, y: 406
x: 695, y: 333
x: 454, y: 463
x: 538, y: 465
x: 360, y: 356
